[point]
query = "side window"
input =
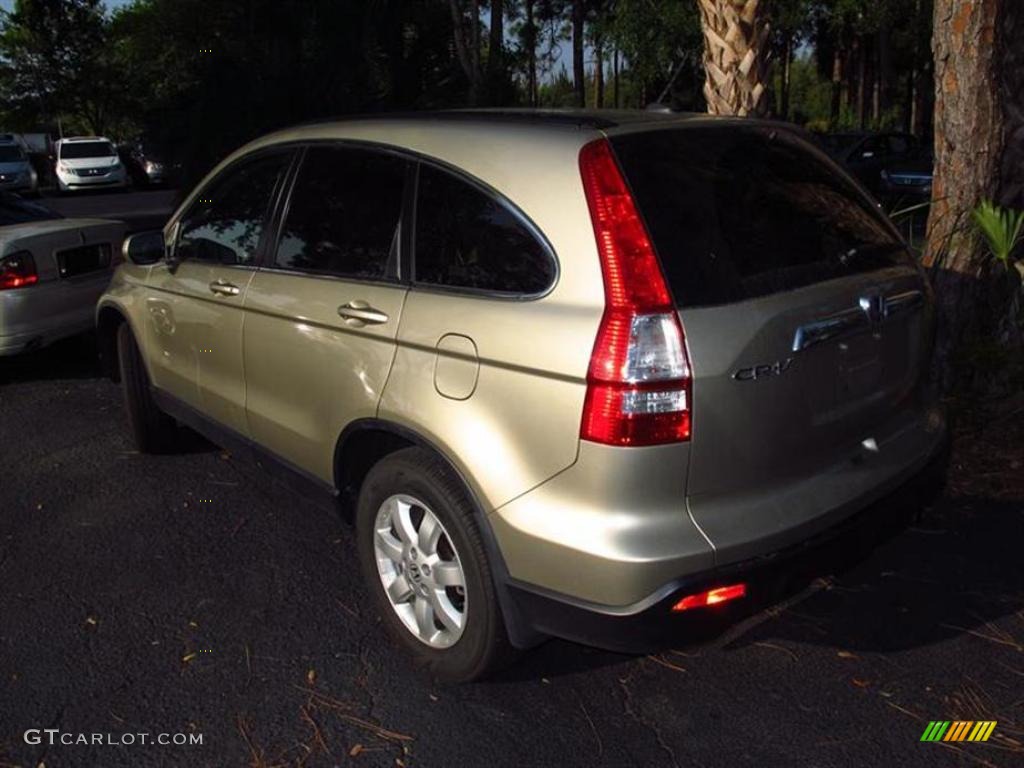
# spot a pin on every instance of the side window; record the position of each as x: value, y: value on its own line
x: 467, y: 239
x: 225, y: 222
x: 876, y: 145
x: 343, y: 215
x: 899, y: 145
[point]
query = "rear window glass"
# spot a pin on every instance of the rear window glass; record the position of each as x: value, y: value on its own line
x: 16, y: 210
x: 738, y: 213
x: 82, y: 149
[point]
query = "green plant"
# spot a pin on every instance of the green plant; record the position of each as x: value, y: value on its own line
x: 1002, y: 228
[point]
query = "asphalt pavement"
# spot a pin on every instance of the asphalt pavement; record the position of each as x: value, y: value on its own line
x: 192, y: 594
x: 142, y: 209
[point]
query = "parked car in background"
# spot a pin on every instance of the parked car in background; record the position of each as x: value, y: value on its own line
x: 586, y: 373
x: 52, y: 271
x: 147, y: 165
x: 88, y: 162
x: 16, y: 171
x: 872, y: 157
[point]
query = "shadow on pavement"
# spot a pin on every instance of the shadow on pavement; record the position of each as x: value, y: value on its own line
x: 76, y: 357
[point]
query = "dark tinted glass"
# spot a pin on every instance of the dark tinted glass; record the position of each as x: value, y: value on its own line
x: 467, y: 239
x: 226, y: 221
x: 11, y: 154
x: 737, y: 213
x: 344, y: 211
x: 82, y: 149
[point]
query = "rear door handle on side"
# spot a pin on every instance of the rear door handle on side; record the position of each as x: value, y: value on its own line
x: 358, y: 313
x: 224, y: 288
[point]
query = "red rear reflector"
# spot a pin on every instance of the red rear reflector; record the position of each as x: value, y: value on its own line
x: 711, y: 597
x: 638, y: 385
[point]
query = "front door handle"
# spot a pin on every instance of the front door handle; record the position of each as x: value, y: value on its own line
x: 223, y: 288
x: 358, y: 313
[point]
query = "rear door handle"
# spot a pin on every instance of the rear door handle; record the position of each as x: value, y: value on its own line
x: 223, y: 288
x: 902, y: 302
x: 358, y: 313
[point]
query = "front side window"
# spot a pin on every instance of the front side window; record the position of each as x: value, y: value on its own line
x: 226, y: 220
x: 343, y: 215
x: 467, y: 239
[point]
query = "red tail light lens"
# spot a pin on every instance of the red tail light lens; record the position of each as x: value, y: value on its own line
x: 711, y: 597
x: 639, y: 380
x: 17, y: 270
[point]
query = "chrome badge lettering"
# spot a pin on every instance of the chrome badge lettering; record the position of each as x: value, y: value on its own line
x: 756, y: 372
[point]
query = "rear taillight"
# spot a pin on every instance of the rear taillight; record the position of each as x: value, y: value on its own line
x: 17, y: 270
x: 639, y: 382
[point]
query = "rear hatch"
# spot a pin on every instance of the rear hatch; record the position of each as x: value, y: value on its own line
x: 807, y: 322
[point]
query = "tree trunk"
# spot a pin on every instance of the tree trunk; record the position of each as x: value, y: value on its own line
x: 468, y: 51
x: 968, y: 145
x: 735, y: 56
x: 598, y: 73
x: 787, y: 67
x: 862, y: 72
x: 837, y: 88
x: 579, y: 74
x: 531, y: 54
x: 497, y: 39
x: 615, y: 77
x: 1011, y: 24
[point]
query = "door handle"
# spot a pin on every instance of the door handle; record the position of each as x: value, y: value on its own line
x: 223, y: 288
x: 358, y: 313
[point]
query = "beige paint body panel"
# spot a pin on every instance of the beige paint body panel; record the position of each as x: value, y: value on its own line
x: 196, y: 338
x: 611, y: 529
x: 309, y: 373
x: 521, y: 424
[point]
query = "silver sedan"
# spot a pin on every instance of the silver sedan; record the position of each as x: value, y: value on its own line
x: 52, y: 272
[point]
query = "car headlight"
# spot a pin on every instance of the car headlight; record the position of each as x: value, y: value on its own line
x: 152, y: 167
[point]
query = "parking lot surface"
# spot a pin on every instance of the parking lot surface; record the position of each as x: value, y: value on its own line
x: 191, y: 594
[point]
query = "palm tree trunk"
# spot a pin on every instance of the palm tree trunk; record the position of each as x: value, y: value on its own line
x: 735, y: 36
x: 968, y: 144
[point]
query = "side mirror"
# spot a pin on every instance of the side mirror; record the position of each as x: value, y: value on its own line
x: 144, y: 248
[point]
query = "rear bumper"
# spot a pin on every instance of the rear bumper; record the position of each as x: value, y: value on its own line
x: 649, y: 624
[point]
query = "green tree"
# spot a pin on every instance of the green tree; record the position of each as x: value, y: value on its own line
x: 55, y: 64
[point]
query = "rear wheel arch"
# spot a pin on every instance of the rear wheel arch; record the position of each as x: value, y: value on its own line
x: 108, y: 320
x: 365, y: 442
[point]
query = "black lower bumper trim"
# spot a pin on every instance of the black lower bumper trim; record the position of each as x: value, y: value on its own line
x: 769, y: 579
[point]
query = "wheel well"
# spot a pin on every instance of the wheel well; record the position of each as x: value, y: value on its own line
x: 107, y: 324
x: 358, y: 451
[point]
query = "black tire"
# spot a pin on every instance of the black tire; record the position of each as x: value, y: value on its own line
x: 483, y: 647
x: 153, y: 430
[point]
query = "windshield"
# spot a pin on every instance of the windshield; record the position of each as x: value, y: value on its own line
x: 737, y: 213
x: 11, y: 154
x: 82, y: 149
x: 16, y: 210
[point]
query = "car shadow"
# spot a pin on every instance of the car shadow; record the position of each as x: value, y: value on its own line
x: 914, y: 578
x: 76, y: 357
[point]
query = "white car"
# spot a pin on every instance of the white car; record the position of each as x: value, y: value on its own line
x: 88, y: 162
x: 52, y: 272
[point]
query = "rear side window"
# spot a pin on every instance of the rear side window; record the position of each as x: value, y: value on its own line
x: 225, y: 222
x: 344, y: 211
x: 467, y: 239
x: 738, y: 213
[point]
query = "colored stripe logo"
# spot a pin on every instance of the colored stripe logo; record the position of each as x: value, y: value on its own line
x: 958, y: 730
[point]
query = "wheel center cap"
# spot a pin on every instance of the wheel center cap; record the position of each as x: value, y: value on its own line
x: 414, y: 572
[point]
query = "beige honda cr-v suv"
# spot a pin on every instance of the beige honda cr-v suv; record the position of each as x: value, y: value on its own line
x: 583, y: 372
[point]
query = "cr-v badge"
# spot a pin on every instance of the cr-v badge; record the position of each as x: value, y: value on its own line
x: 756, y: 372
